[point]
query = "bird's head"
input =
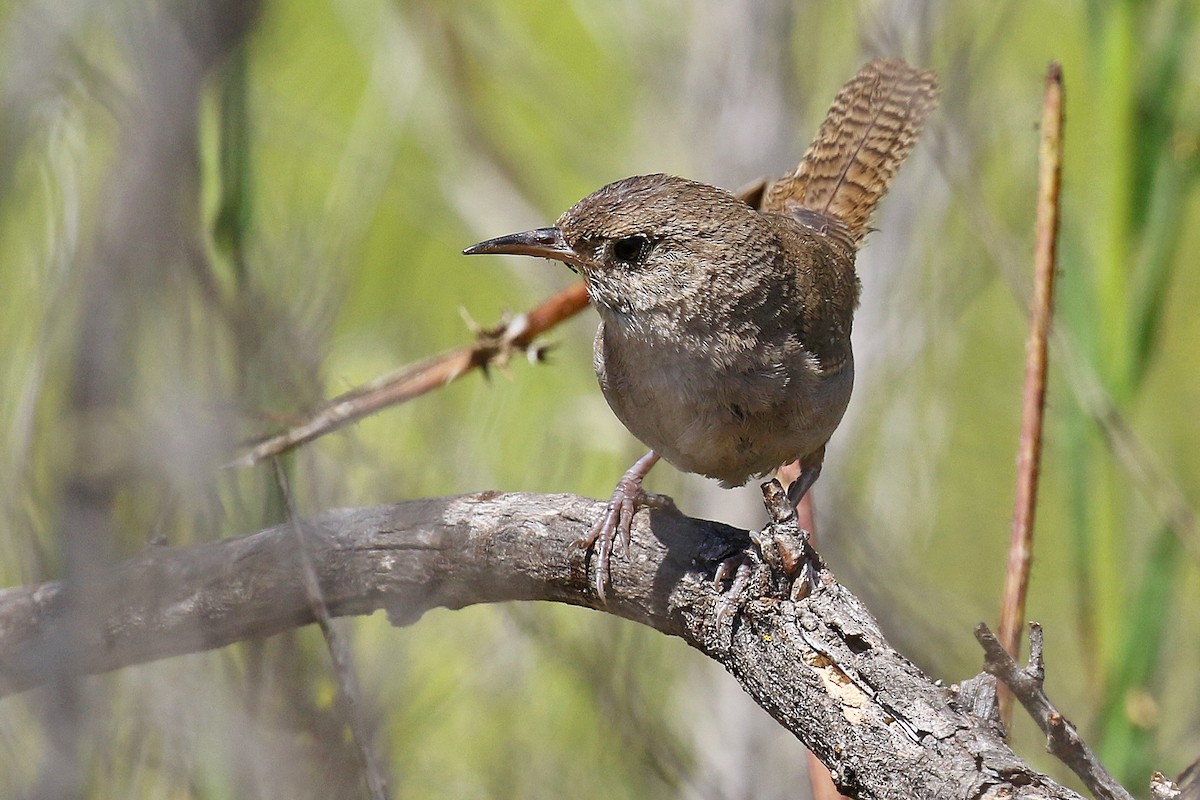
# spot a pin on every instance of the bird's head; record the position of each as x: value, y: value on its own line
x: 644, y: 243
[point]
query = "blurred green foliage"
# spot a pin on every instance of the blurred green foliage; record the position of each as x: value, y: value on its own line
x: 344, y: 157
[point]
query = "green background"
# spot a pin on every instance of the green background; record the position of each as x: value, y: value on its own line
x: 344, y: 157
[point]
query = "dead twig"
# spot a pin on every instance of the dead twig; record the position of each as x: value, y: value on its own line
x: 1157, y: 486
x: 1062, y: 739
x: 492, y: 346
x: 1185, y: 787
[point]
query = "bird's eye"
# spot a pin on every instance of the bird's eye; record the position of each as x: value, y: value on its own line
x: 631, y: 250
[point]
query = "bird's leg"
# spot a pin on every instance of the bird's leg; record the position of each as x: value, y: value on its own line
x: 800, y: 476
x: 616, y: 524
x: 810, y: 470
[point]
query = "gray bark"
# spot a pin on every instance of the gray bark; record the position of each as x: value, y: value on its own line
x: 819, y: 664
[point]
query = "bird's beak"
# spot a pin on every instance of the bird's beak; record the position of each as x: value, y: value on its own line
x: 541, y: 242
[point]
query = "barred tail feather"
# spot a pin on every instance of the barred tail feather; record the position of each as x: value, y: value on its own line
x: 869, y: 131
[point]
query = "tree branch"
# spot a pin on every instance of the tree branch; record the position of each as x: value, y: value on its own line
x: 819, y: 665
x: 1061, y: 737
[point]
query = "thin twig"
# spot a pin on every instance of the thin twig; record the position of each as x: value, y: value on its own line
x: 1029, y: 454
x: 1062, y: 740
x: 1162, y: 788
x: 491, y: 346
x: 339, y: 653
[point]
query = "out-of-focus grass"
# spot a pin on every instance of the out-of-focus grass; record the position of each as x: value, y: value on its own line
x: 1138, y: 167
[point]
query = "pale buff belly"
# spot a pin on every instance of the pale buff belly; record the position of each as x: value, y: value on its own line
x: 730, y: 422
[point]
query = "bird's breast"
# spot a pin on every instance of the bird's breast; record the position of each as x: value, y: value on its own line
x: 726, y: 410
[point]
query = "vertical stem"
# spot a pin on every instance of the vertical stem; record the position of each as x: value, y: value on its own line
x: 339, y: 649
x: 1016, y: 582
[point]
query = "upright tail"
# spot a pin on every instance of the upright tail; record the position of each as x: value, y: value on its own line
x: 869, y: 131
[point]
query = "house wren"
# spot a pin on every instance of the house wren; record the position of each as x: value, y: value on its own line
x: 724, y: 338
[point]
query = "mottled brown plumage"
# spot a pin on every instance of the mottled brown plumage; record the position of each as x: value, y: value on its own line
x: 724, y: 340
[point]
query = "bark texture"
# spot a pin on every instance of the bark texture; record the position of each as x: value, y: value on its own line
x: 818, y: 664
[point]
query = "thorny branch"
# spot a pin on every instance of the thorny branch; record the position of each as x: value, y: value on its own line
x: 492, y: 346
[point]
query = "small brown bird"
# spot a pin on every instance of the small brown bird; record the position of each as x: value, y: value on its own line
x: 724, y: 338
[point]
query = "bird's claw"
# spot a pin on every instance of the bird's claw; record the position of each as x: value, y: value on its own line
x: 737, y: 569
x: 615, y: 526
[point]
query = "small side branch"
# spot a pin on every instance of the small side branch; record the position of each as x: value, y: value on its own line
x: 1186, y: 787
x: 1062, y: 740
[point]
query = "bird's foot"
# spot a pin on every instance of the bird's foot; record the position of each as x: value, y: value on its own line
x: 616, y: 524
x: 778, y: 563
x: 783, y: 544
